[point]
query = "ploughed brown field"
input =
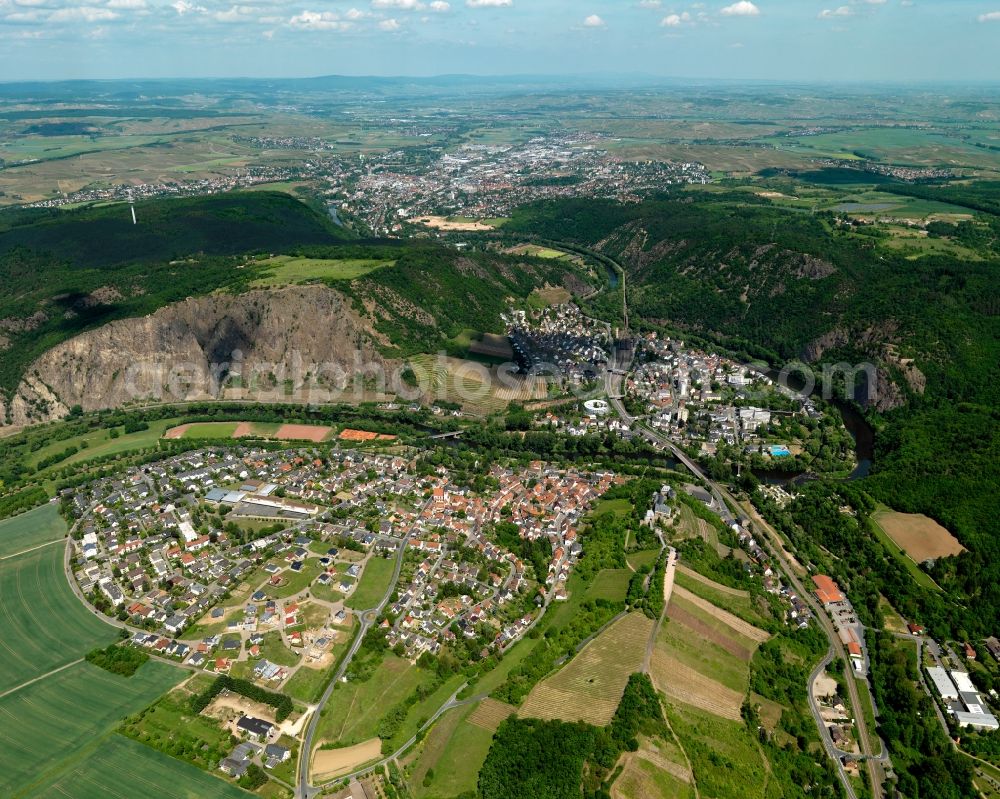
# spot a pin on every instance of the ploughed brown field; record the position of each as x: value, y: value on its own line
x: 919, y: 536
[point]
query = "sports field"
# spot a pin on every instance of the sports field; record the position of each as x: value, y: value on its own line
x: 281, y: 432
x: 44, y: 725
x: 124, y: 769
x: 39, y: 526
x: 44, y: 625
x: 591, y: 685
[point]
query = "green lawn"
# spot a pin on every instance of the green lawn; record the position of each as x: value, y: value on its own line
x: 375, y: 581
x: 122, y: 768
x: 284, y: 269
x: 272, y: 648
x: 645, y: 557
x: 43, y: 624
x: 355, y: 708
x: 455, y: 750
x: 47, y: 722
x: 99, y: 443
x: 38, y: 526
x: 609, y: 584
x: 295, y: 581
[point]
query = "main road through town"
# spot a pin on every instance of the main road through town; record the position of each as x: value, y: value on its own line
x: 303, y: 790
x: 724, y: 501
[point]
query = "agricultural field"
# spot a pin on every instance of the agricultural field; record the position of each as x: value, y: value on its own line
x: 702, y: 654
x: 753, y: 612
x: 920, y: 537
x: 473, y: 385
x: 375, y: 581
x: 119, y: 767
x: 36, y: 527
x: 919, y: 576
x: 589, y: 687
x: 46, y: 722
x: 196, y: 739
x: 329, y: 763
x: 283, y: 270
x: 45, y: 626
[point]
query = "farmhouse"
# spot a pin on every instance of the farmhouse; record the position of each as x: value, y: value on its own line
x: 253, y: 728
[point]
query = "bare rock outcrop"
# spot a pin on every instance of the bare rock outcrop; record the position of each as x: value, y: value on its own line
x: 295, y: 339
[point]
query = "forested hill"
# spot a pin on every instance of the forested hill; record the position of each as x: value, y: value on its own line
x: 782, y: 284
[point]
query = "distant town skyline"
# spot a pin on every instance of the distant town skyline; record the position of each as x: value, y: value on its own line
x: 808, y: 40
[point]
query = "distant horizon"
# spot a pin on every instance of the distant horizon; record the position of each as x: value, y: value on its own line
x: 591, y: 78
x: 881, y: 41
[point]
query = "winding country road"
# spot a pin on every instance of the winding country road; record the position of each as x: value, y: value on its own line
x: 303, y: 790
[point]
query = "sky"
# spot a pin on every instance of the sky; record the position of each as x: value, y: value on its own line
x: 786, y: 40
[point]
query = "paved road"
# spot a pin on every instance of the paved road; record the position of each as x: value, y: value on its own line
x: 303, y: 790
x: 721, y: 495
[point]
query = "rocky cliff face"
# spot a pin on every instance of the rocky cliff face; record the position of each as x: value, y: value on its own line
x: 301, y: 342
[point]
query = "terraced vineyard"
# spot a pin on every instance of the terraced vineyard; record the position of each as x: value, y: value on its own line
x: 590, y: 686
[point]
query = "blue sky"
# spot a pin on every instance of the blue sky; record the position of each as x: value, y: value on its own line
x: 894, y: 40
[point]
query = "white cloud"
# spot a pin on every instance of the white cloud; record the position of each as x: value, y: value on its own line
x: 593, y: 21
x: 832, y: 13
x: 126, y: 3
x: 318, y: 21
x: 489, y: 3
x: 675, y: 20
x: 742, y: 8
x: 991, y: 16
x: 440, y: 6
x: 183, y: 7
x: 407, y: 5
x: 355, y: 14
x: 84, y: 13
x: 389, y: 25
x: 650, y: 3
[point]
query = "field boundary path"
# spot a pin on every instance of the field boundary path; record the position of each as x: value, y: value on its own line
x: 32, y: 549
x: 39, y: 678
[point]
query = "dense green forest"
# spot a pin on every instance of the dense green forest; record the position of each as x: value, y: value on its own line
x: 533, y: 759
x: 64, y: 272
x: 430, y: 295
